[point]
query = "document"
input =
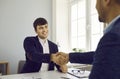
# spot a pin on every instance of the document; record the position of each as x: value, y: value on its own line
x: 79, y: 73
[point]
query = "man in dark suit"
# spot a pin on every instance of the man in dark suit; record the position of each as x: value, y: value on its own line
x: 106, y: 58
x: 40, y: 51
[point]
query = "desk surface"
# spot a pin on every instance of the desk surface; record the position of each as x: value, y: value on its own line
x: 43, y: 75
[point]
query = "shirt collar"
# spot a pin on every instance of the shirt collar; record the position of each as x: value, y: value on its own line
x: 110, y: 25
x: 42, y: 41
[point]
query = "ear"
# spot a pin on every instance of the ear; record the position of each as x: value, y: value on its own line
x: 35, y: 31
x: 107, y: 2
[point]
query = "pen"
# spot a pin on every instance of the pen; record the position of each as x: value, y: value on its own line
x: 77, y: 76
x: 65, y: 77
x: 36, y: 78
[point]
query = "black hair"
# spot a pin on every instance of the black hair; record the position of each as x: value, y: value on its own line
x: 39, y: 21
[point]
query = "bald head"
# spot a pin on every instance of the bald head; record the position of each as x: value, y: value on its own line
x: 108, y: 10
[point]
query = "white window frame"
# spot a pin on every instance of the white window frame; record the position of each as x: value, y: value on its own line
x: 87, y: 27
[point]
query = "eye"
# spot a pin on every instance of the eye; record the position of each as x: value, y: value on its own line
x: 40, y: 27
x: 46, y: 26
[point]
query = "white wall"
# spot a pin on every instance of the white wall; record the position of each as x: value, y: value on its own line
x: 16, y: 20
x: 61, y: 24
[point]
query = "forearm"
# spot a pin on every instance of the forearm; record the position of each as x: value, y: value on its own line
x: 38, y: 57
x: 83, y: 58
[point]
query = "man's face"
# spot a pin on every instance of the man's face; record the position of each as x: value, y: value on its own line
x: 100, y: 10
x: 42, y: 31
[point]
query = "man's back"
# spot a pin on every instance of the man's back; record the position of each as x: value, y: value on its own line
x: 106, y: 64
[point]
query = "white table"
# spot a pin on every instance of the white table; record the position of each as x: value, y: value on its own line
x: 43, y: 75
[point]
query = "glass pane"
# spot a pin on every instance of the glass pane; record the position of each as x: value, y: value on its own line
x: 82, y: 42
x: 95, y: 40
x: 95, y: 24
x: 74, y: 28
x: 81, y: 27
x: 93, y: 7
x: 74, y: 12
x: 74, y: 42
x: 81, y: 9
x: 78, y: 22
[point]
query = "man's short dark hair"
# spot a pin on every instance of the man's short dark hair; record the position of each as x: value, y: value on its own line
x: 39, y: 21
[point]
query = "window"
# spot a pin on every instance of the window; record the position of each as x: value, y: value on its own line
x: 85, y: 30
x: 96, y: 26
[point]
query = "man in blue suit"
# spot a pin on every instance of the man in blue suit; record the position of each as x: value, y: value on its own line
x: 40, y: 51
x: 106, y: 58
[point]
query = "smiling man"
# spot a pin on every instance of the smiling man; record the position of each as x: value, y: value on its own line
x: 39, y: 51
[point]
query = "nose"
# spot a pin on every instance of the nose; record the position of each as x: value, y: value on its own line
x: 44, y: 29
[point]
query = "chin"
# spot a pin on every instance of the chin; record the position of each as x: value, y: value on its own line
x: 44, y: 37
x: 101, y: 19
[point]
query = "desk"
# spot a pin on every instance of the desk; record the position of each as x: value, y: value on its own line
x: 6, y: 65
x: 41, y: 75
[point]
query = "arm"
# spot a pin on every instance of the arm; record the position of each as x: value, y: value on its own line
x: 83, y: 58
x: 62, y: 68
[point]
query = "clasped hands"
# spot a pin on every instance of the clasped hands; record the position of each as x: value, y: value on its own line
x: 60, y: 58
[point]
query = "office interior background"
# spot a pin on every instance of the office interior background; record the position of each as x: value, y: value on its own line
x: 73, y: 24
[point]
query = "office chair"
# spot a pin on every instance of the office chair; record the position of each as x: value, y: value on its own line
x: 20, y: 65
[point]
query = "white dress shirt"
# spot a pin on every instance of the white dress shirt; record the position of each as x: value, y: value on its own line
x: 45, y: 46
x: 110, y: 25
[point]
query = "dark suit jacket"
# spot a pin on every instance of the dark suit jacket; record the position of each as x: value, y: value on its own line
x: 106, y: 58
x: 34, y: 49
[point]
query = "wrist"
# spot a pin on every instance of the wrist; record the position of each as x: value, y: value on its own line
x: 52, y: 57
x: 64, y: 68
x: 67, y: 57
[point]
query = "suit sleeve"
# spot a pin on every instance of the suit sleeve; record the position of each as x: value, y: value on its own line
x: 83, y: 58
x: 30, y: 49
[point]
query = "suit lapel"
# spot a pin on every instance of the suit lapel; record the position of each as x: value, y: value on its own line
x: 50, y: 46
x: 38, y: 45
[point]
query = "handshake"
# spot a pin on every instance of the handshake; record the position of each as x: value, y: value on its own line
x: 60, y: 58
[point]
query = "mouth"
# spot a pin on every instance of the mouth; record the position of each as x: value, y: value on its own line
x: 45, y: 33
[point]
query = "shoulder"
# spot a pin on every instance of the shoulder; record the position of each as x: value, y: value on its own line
x: 52, y: 43
x: 30, y: 38
x: 116, y: 27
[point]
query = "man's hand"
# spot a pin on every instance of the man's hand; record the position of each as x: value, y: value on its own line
x: 54, y: 58
x: 60, y: 58
x: 64, y: 68
x: 63, y: 58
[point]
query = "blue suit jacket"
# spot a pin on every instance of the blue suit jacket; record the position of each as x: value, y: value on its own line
x: 106, y: 58
x: 34, y: 49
